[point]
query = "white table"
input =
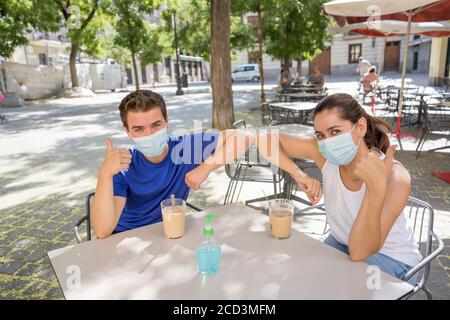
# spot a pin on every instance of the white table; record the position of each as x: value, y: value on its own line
x: 295, y: 106
x: 296, y: 112
x: 303, y: 96
x: 143, y: 264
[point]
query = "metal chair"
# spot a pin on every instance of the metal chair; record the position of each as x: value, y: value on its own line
x: 87, y: 218
x: 251, y: 167
x: 266, y: 117
x: 422, y: 214
x: 436, y: 120
x: 281, y: 116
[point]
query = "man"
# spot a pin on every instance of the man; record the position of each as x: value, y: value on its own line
x: 316, y: 78
x: 363, y: 66
x: 132, y: 183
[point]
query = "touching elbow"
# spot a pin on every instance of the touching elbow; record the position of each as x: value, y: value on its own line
x: 103, y: 235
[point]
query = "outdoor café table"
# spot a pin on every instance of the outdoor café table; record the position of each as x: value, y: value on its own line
x: 303, y: 96
x: 144, y: 264
x: 300, y: 108
x: 305, y: 87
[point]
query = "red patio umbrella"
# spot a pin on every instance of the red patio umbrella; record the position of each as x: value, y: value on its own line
x: 373, y: 11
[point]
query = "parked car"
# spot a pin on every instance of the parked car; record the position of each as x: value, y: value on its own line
x: 246, y: 72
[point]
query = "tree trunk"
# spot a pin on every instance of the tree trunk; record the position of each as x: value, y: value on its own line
x: 133, y: 58
x: 223, y: 112
x: 2, y: 83
x: 286, y: 63
x: 288, y: 31
x: 73, y: 64
x: 260, y: 58
x: 299, y: 68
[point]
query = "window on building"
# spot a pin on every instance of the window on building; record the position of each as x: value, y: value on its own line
x: 252, y: 22
x: 129, y: 76
x: 144, y: 74
x: 190, y: 68
x: 415, y: 60
x: 43, y: 59
x: 253, y: 57
x: 167, y: 66
x: 354, y: 52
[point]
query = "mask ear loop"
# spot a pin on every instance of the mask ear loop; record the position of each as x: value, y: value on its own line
x: 359, y: 141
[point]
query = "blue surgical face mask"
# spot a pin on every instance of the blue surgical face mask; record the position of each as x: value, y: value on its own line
x: 339, y: 150
x: 152, y: 145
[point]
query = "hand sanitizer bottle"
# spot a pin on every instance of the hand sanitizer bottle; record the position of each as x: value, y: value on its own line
x: 208, y: 252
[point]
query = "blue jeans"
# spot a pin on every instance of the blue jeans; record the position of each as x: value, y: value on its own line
x: 387, y: 264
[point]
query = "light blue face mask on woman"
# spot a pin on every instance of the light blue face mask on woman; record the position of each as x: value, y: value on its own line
x: 339, y: 150
x: 152, y: 145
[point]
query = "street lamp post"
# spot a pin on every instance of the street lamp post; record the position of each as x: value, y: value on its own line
x: 177, y: 65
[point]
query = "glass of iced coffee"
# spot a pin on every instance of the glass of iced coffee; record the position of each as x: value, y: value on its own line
x: 173, y: 213
x: 281, y: 212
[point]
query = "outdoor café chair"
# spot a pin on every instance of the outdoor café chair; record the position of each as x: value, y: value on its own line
x: 87, y: 218
x: 436, y: 120
x: 421, y: 215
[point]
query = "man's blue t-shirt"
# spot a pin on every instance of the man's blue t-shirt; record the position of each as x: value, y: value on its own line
x: 145, y: 184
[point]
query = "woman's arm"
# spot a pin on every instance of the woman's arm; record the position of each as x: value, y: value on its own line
x: 387, y: 191
x: 297, y: 147
x: 280, y: 148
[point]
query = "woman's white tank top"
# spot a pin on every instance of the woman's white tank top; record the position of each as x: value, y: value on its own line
x: 342, y: 207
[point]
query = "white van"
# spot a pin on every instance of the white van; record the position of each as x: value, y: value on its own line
x: 246, y: 72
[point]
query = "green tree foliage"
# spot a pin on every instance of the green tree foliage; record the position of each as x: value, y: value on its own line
x: 295, y: 29
x: 132, y: 31
x: 194, y: 27
x: 18, y: 17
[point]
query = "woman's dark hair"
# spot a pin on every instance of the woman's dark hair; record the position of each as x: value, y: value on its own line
x: 351, y: 110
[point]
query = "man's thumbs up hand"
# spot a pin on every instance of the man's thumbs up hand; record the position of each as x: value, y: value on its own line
x: 115, y: 160
x: 109, y: 145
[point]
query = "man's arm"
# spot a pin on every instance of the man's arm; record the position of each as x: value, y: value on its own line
x: 107, y: 208
x: 231, y: 144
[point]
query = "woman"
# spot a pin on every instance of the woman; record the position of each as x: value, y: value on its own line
x: 365, y: 189
x: 285, y: 80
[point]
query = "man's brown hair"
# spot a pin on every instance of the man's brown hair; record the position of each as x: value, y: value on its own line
x: 141, y: 100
